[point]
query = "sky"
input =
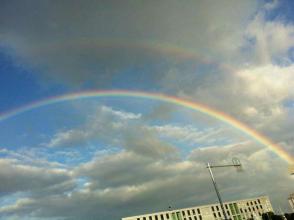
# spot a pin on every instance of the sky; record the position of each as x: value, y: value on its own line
x: 108, y: 157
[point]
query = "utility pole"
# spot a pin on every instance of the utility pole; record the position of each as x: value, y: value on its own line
x: 235, y: 163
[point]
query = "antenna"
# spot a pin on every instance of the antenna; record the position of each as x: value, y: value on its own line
x: 291, y: 169
x: 237, y: 164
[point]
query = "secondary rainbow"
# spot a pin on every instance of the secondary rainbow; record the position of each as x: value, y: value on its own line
x: 160, y: 97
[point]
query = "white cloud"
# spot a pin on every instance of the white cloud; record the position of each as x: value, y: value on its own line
x: 104, y: 123
x: 272, y: 39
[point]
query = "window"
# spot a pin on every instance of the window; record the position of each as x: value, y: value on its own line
x: 226, y: 205
x: 251, y: 203
x: 241, y: 210
x: 198, y: 210
x: 195, y: 218
x: 219, y: 215
x: 260, y: 206
x: 214, y: 215
x: 190, y: 218
x: 156, y: 217
x: 228, y: 212
x: 144, y: 218
x: 138, y: 218
x: 167, y: 216
x: 183, y: 212
x: 200, y: 217
x: 212, y: 208
x: 161, y: 217
x: 193, y: 210
x: 258, y: 200
x: 217, y: 208
x: 150, y: 217
x: 188, y: 212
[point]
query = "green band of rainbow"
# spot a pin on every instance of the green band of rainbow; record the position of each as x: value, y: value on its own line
x: 161, y: 97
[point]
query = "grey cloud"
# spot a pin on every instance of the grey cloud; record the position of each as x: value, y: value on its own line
x: 175, y: 183
x: 145, y: 142
x: 16, y: 177
x: 66, y: 40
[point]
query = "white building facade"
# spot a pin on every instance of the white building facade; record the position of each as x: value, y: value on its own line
x: 235, y: 210
x: 291, y: 200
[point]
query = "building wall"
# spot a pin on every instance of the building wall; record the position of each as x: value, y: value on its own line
x: 235, y: 210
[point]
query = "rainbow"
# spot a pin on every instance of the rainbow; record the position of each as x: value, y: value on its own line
x: 160, y: 97
x: 154, y: 47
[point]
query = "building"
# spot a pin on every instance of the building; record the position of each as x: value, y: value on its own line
x: 291, y: 200
x: 236, y: 210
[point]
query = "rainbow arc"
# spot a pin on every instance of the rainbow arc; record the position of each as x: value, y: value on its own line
x: 160, y: 97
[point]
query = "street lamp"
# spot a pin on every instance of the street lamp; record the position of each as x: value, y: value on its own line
x: 235, y: 163
x: 291, y: 169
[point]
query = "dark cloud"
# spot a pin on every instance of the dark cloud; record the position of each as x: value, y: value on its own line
x: 96, y: 41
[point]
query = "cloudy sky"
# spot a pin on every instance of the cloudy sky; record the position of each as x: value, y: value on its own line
x: 110, y: 157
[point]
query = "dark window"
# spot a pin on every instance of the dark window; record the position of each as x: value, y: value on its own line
x: 253, y: 208
x: 183, y: 212
x: 156, y: 217
x: 247, y: 204
x: 188, y: 212
x: 198, y: 210
x: 249, y: 209
x: 214, y: 215
x: 193, y: 210
x: 167, y: 215
x: 138, y: 218
x: 255, y: 202
x: 144, y: 218
x: 228, y: 212
x: 195, y: 218
x: 251, y: 203
x: 241, y: 210
x: 161, y: 216
x: 226, y: 206
x: 150, y: 217
x: 258, y: 201
x: 200, y: 217
x: 212, y: 208
x: 217, y: 208
x: 190, y: 218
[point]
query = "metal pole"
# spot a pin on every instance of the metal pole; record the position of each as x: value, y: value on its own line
x: 217, y: 192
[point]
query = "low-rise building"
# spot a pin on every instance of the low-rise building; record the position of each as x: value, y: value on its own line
x: 235, y: 210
